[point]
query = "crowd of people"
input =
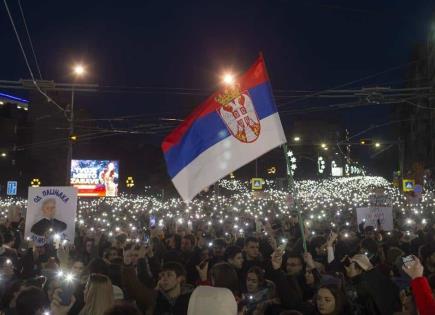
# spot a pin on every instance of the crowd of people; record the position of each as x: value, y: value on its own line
x: 238, y: 254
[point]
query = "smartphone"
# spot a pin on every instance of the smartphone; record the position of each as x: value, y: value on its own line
x: 283, y: 246
x: 152, y: 221
x: 407, y: 260
x: 67, y: 292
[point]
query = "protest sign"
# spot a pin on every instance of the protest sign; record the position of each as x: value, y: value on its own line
x: 51, y: 213
x: 371, y: 215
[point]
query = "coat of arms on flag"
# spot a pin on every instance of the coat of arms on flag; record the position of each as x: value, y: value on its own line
x: 238, y: 113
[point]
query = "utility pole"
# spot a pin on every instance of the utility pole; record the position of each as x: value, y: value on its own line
x: 79, y: 71
x: 70, y: 138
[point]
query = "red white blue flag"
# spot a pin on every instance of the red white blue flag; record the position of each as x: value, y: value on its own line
x: 233, y: 127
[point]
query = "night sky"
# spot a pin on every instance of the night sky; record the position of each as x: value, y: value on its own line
x: 308, y: 45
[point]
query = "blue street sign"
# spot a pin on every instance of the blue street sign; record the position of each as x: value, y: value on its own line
x: 12, y: 188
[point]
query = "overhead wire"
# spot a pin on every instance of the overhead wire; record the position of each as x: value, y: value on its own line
x: 30, y: 39
x: 349, y: 83
x: 49, y: 99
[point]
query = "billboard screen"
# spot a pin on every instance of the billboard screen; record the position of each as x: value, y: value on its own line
x: 95, y: 178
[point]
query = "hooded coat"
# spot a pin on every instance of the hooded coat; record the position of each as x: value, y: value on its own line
x: 212, y: 301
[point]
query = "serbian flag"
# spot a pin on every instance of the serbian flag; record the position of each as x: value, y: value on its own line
x: 233, y: 127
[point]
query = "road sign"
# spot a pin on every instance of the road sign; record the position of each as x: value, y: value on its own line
x: 12, y: 188
x: 257, y: 183
x: 408, y: 185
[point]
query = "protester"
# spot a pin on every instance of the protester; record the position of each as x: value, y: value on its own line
x: 330, y: 301
x: 171, y: 295
x: 98, y: 295
x: 233, y: 262
x: 421, y: 290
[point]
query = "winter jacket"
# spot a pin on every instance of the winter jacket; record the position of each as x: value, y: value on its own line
x: 372, y: 293
x: 153, y: 301
x: 423, y: 296
x: 288, y: 291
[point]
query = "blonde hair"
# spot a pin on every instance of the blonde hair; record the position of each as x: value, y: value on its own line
x: 98, y: 296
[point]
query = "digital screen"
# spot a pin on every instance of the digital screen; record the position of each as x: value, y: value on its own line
x: 95, y: 178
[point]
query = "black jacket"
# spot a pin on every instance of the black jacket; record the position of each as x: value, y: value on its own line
x: 41, y: 227
x: 154, y: 300
x: 289, y: 291
x: 373, y: 293
x: 166, y: 307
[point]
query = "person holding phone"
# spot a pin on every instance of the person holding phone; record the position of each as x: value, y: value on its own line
x: 421, y: 290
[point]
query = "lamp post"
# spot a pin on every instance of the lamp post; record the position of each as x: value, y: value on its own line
x: 78, y: 72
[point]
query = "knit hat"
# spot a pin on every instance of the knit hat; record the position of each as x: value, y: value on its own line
x: 212, y: 301
x: 362, y: 261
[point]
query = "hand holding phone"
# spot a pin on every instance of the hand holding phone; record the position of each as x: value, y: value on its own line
x: 66, y: 293
x: 408, y: 260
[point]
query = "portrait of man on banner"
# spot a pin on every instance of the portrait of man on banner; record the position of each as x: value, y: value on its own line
x: 51, y: 214
x: 48, y: 222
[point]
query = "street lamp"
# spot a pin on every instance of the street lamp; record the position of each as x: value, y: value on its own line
x: 297, y: 139
x: 79, y: 70
x: 228, y: 78
x: 3, y: 154
x: 323, y: 145
x: 377, y: 144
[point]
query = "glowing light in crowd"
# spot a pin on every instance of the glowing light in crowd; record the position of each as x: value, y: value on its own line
x: 327, y: 202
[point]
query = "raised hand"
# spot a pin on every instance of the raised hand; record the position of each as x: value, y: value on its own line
x: 414, y: 269
x: 276, y: 259
x: 202, y: 269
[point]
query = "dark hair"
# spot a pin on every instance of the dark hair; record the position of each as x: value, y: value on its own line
x: 340, y: 300
x: 108, y: 250
x: 121, y: 238
x: 292, y: 312
x: 370, y: 245
x: 224, y: 275
x: 219, y: 242
x: 231, y: 252
x: 177, y: 240
x: 251, y: 239
x: 8, y: 236
x: 431, y: 280
x: 317, y: 242
x: 295, y: 255
x: 260, y: 275
x: 123, y: 309
x: 190, y: 238
x: 98, y: 265
x: 9, y: 293
x: 30, y: 301
x: 175, y: 267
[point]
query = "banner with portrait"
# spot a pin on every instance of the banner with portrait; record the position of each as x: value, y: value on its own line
x: 51, y: 214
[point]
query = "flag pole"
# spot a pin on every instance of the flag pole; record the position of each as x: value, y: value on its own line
x: 293, y: 191
x: 291, y: 183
